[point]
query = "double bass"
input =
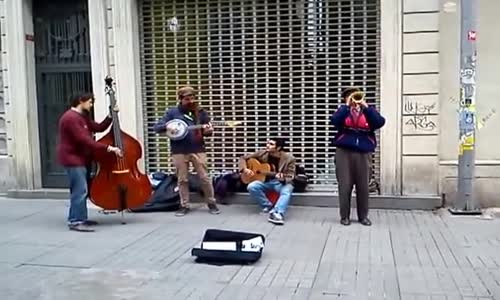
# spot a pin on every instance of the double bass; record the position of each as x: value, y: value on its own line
x: 119, y: 185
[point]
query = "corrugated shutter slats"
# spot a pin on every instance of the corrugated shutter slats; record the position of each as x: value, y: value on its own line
x: 278, y: 66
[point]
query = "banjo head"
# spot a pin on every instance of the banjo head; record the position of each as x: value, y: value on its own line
x: 176, y: 129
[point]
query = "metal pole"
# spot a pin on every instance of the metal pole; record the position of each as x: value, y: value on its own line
x: 465, y: 203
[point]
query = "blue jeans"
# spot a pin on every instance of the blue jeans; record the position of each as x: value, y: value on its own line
x: 78, y: 189
x: 257, y: 190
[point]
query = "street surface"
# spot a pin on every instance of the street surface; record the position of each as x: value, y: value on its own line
x: 404, y: 255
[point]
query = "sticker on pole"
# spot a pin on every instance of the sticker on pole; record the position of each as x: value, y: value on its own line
x: 471, y: 35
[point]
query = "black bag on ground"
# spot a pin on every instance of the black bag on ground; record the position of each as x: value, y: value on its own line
x: 195, y: 184
x: 223, y: 247
x: 301, y: 179
x: 225, y: 186
x: 165, y: 197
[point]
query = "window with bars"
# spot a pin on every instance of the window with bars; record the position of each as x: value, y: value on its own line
x: 277, y: 66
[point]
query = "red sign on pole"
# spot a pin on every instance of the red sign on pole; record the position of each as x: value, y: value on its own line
x: 471, y: 35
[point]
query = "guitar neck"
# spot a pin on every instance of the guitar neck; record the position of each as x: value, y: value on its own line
x: 265, y: 172
x: 217, y: 123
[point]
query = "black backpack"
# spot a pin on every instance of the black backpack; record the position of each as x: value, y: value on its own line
x: 301, y: 179
x: 164, y: 198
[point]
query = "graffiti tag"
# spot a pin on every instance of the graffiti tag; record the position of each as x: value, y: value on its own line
x: 413, y: 107
x: 421, y: 122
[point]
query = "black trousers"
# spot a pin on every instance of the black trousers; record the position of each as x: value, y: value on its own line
x: 353, y: 169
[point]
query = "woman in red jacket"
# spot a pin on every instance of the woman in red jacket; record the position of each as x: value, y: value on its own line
x: 355, y: 141
x: 74, y: 152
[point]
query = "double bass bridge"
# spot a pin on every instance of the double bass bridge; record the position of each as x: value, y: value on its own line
x: 120, y: 171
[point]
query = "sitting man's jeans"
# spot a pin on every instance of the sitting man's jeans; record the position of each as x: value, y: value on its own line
x: 258, y: 189
x: 78, y: 200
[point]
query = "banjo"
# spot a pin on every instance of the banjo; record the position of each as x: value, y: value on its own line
x: 177, y: 129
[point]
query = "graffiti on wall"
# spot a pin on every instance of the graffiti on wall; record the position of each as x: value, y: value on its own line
x: 421, y: 123
x: 419, y: 115
x: 481, y: 121
x: 480, y: 118
x: 414, y: 107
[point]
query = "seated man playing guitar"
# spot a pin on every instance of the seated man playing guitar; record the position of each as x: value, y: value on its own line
x: 270, y: 169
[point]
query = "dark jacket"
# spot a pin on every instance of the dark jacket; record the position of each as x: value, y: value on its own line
x: 356, y: 135
x: 193, y: 142
x: 285, y: 166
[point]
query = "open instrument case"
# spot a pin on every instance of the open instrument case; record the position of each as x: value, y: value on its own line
x: 222, y: 247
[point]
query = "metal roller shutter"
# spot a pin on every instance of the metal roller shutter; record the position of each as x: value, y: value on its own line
x: 278, y: 66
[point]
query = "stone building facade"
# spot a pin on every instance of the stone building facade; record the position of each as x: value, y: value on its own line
x: 415, y: 81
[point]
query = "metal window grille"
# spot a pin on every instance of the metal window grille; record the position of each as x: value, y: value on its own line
x: 278, y: 66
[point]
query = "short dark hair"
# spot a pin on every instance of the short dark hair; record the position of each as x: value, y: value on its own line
x: 280, y: 143
x: 78, y: 98
x: 348, y: 91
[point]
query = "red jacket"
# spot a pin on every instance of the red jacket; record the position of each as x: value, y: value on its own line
x: 356, y: 135
x: 76, y: 143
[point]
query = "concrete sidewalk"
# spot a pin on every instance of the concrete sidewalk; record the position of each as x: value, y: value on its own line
x: 404, y: 255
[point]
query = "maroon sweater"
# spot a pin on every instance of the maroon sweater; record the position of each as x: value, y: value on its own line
x: 76, y: 143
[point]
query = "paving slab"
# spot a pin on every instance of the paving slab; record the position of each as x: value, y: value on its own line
x: 404, y: 255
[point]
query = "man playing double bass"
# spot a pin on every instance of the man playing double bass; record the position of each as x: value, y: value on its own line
x: 75, y: 151
x: 190, y: 149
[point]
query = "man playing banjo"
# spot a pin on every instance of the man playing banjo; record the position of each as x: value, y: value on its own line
x: 188, y: 145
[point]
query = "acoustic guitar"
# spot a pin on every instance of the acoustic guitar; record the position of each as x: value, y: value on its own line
x: 260, y: 170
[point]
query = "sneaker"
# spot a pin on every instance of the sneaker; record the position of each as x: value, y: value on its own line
x: 265, y: 210
x: 276, y: 218
x: 90, y: 223
x: 182, y: 212
x: 80, y: 227
x: 213, y: 209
